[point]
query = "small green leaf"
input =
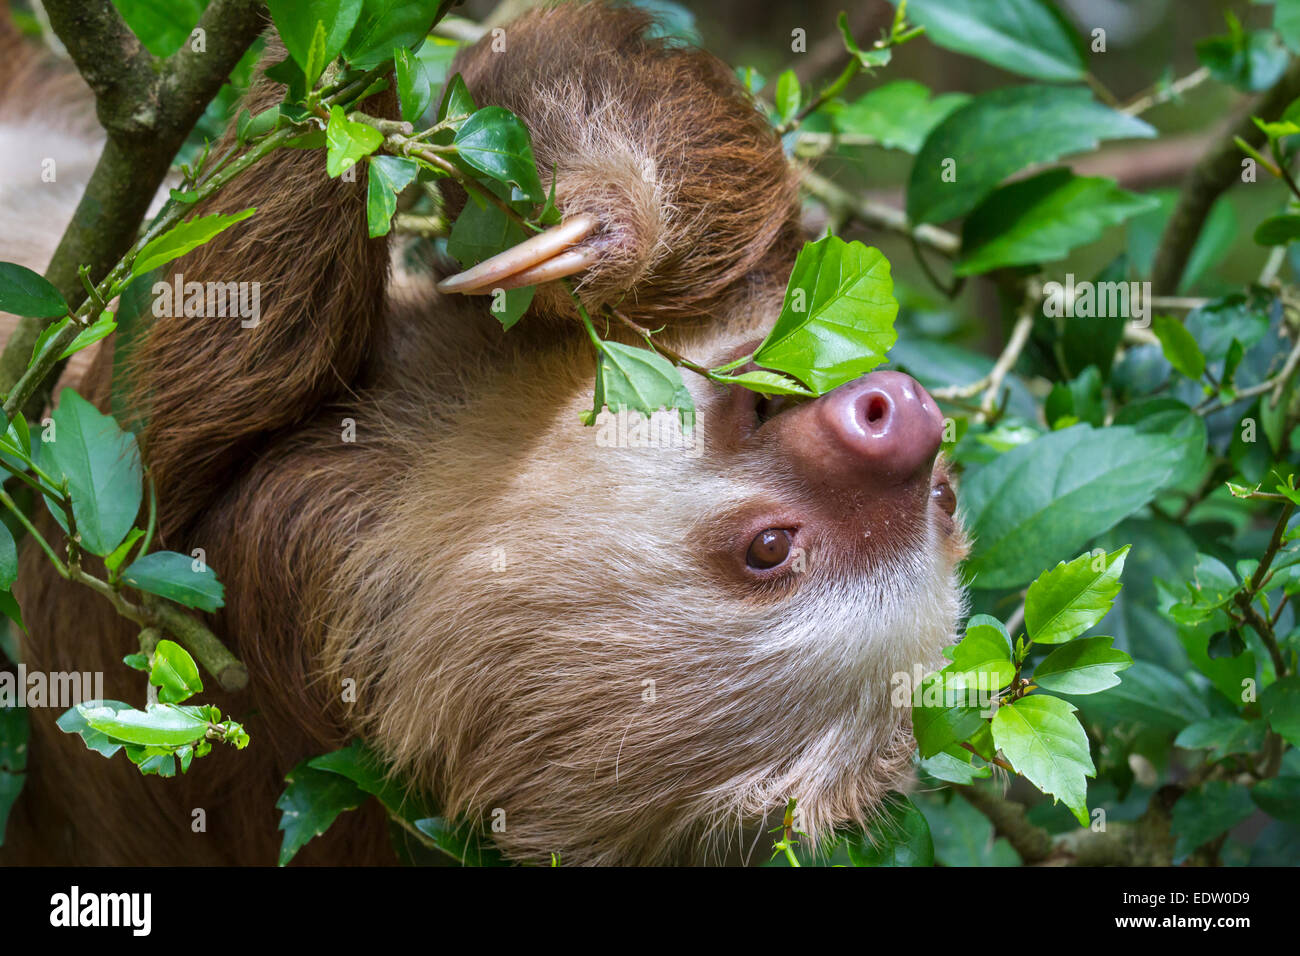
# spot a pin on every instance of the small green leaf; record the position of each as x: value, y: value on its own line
x: 172, y: 575
x: 348, y: 142
x: 183, y: 237
x: 941, y: 718
x: 102, y: 467
x: 456, y: 102
x: 174, y: 673
x: 1179, y: 346
x: 898, y: 115
x: 463, y: 842
x: 311, y: 802
x: 497, y: 144
x: 982, y: 659
x: 788, y: 95
x: 389, y: 175
x: 768, y: 383
x: 1043, y: 739
x: 899, y: 836
x: 1067, y: 600
x: 137, y: 661
x: 1278, y: 230
x: 639, y: 380
x: 414, y: 91
x: 955, y: 765
x: 868, y: 59
x: 837, y: 320
x: 100, y: 328
x: 1083, y: 666
x: 24, y: 292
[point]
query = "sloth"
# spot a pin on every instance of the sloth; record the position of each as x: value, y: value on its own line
x: 626, y: 652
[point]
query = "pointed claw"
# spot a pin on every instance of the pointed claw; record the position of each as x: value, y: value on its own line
x: 528, y: 256
x: 557, y: 267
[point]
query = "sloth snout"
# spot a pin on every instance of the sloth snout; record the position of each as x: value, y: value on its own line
x: 884, y: 425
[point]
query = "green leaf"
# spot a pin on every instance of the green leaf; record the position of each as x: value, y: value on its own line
x: 14, y: 735
x: 1179, y: 346
x: 1049, y: 497
x: 8, y: 559
x: 837, y: 320
x: 982, y: 659
x: 899, y: 836
x: 71, y: 721
x: 481, y: 231
x: 363, y: 767
x: 1148, y: 696
x: 414, y: 91
x: 769, y: 383
x: 102, y: 468
x: 9, y: 607
x: 1202, y: 814
x: 639, y: 380
x: 183, y: 237
x: 1280, y: 704
x: 113, y: 560
x: 161, y: 725
x: 868, y: 59
x: 1085, y: 666
x: 1279, y: 798
x: 456, y: 101
x: 389, y: 175
x: 462, y: 842
x: 955, y: 765
x: 788, y: 95
x: 1028, y: 37
x: 1041, y: 219
x: 174, y: 673
x: 999, y: 133
x: 311, y: 802
x: 1286, y: 21
x: 172, y: 576
x: 100, y: 328
x: 1067, y: 600
x: 898, y: 115
x: 297, y: 23
x: 936, y: 723
x: 1225, y: 735
x: 1043, y: 739
x: 964, y: 837
x: 24, y: 292
x: 496, y: 143
x: 1250, y: 61
x: 1278, y: 230
x: 385, y: 26
x: 348, y: 142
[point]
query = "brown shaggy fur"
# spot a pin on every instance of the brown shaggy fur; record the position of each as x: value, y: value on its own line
x: 536, y: 619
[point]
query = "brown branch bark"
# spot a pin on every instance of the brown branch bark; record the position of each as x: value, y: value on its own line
x: 147, y: 109
x: 1218, y: 169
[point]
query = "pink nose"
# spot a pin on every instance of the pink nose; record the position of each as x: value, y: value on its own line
x: 884, y: 426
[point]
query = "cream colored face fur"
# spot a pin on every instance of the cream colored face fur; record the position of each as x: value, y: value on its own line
x: 551, y: 628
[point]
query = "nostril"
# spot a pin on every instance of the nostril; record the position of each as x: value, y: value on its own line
x: 877, y: 408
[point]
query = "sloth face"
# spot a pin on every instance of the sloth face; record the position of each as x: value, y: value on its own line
x: 643, y: 636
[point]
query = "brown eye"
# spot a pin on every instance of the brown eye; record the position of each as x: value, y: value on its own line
x: 944, y: 497
x: 769, y: 548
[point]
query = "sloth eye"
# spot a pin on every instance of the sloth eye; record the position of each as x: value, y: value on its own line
x: 768, y: 549
x: 944, y: 497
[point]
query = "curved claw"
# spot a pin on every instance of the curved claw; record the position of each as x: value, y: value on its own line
x: 543, y: 257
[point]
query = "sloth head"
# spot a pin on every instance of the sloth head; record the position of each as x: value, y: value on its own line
x: 632, y: 640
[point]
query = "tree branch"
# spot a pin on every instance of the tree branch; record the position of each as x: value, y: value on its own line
x: 147, y: 112
x: 1217, y: 170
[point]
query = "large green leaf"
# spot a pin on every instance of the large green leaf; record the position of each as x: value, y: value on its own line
x: 1070, y: 598
x: 161, y: 725
x: 1204, y: 813
x: 982, y: 659
x: 24, y: 292
x: 172, y: 575
x: 1047, y: 498
x: 1280, y: 703
x: 386, y: 26
x: 1045, y: 742
x: 296, y: 22
x: 935, y: 724
x: 899, y: 836
x: 837, y: 320
x: 102, y: 468
x: 1085, y: 666
x: 496, y: 143
x: 1029, y: 37
x: 1041, y: 219
x: 898, y: 115
x: 1001, y: 132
